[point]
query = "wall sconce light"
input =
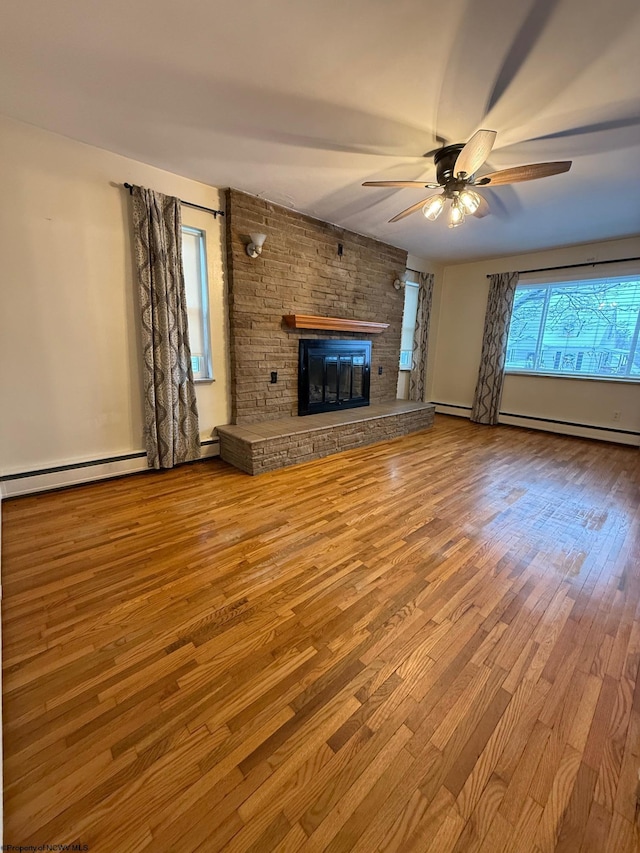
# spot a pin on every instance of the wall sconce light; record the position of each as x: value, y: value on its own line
x: 254, y: 248
x: 398, y: 284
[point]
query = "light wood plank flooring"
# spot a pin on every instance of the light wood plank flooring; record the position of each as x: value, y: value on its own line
x: 430, y: 644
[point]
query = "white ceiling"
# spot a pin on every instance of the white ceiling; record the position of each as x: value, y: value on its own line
x: 300, y: 102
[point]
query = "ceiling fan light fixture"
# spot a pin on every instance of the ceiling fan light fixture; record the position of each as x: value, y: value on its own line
x: 456, y: 168
x: 433, y: 207
x: 456, y: 217
x: 469, y: 200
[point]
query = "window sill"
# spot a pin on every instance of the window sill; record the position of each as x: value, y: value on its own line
x: 625, y: 380
x: 204, y: 381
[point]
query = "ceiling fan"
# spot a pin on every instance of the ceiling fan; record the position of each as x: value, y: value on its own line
x: 456, y: 167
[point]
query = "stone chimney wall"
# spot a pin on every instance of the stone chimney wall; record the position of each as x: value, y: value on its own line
x: 301, y: 271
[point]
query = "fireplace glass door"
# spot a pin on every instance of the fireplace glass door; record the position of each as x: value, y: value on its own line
x: 333, y: 375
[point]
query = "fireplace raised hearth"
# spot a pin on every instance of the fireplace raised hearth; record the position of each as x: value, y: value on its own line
x: 333, y: 375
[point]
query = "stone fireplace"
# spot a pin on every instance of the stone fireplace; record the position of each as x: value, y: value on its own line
x: 314, y: 297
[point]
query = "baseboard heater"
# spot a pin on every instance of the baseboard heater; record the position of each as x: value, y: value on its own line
x: 568, y: 423
x: 87, y: 471
x: 623, y: 436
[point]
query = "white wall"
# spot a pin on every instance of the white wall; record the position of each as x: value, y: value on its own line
x: 462, y: 304
x: 70, y: 362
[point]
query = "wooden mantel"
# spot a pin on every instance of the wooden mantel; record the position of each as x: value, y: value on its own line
x: 333, y: 324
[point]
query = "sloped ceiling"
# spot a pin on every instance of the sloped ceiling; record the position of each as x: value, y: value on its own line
x: 300, y: 102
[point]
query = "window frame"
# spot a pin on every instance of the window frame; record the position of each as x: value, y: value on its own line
x: 205, y: 375
x: 550, y: 283
x: 408, y: 282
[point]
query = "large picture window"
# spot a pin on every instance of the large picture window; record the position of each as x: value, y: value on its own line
x: 586, y: 327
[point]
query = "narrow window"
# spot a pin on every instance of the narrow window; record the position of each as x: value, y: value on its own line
x: 409, y: 316
x: 194, y: 261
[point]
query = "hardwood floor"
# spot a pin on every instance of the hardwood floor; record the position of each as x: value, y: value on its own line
x: 428, y: 644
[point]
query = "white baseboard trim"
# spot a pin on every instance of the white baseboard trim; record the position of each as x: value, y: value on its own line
x: 86, y: 472
x: 457, y: 411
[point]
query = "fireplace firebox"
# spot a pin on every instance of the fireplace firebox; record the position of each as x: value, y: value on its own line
x: 332, y: 375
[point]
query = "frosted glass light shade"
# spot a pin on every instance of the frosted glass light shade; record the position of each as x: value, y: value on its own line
x: 258, y: 240
x: 254, y: 248
x: 433, y: 207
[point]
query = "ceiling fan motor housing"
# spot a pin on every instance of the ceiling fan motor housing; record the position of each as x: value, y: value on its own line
x: 445, y: 160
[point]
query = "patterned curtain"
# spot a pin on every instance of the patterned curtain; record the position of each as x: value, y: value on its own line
x: 486, y: 404
x: 171, y: 415
x: 420, y: 338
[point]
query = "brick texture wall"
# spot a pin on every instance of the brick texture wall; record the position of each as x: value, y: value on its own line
x: 301, y: 272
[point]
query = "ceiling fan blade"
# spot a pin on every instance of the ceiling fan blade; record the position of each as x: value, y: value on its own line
x: 410, y: 210
x: 524, y: 173
x: 475, y: 152
x: 398, y: 184
x: 483, y: 208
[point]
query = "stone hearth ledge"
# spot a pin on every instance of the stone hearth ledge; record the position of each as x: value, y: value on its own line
x: 268, y: 445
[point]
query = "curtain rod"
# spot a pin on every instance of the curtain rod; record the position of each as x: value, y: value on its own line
x: 572, y: 266
x: 216, y: 213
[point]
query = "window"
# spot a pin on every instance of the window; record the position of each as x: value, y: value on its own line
x: 194, y: 261
x: 408, y: 320
x: 585, y: 327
